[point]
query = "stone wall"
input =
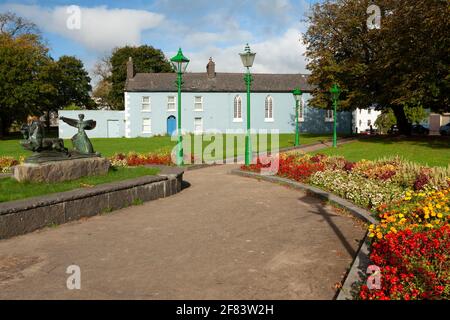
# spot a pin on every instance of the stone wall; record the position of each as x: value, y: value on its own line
x: 24, y: 216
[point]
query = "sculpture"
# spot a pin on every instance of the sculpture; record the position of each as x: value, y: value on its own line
x: 46, y: 149
x: 80, y: 141
x: 36, y: 142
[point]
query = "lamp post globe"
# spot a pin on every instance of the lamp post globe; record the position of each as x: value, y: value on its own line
x: 298, y: 98
x: 248, y: 57
x: 335, y: 93
x: 179, y: 63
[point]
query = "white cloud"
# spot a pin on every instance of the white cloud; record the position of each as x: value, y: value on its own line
x: 283, y: 54
x: 101, y: 28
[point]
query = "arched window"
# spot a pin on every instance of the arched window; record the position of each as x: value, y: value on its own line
x: 268, y: 114
x: 237, y: 111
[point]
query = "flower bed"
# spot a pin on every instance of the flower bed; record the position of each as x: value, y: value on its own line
x: 411, y: 243
x: 6, y: 163
x: 133, y: 159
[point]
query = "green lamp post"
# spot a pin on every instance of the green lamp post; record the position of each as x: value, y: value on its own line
x: 335, y: 92
x: 179, y: 63
x: 298, y: 98
x: 248, y: 58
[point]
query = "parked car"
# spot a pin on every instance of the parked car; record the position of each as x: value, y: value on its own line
x: 393, y: 130
x: 419, y: 129
x: 445, y: 130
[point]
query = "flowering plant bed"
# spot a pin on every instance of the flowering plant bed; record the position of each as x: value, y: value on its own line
x: 411, y: 243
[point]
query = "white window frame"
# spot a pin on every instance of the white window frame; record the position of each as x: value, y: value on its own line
x: 327, y: 118
x: 149, y: 104
x: 148, y: 125
x: 170, y: 103
x: 195, y: 131
x: 196, y: 103
x: 268, y: 109
x: 237, y: 109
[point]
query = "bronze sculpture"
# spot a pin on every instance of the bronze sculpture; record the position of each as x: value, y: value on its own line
x: 46, y: 150
x: 80, y: 141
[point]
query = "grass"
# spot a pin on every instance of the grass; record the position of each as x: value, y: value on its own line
x: 11, y: 190
x: 432, y: 151
x: 110, y: 146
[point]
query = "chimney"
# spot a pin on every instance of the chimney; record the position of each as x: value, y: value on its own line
x: 130, y: 68
x: 211, y: 69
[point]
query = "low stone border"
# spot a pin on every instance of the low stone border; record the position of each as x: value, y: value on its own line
x: 358, y: 269
x: 27, y: 215
x: 357, y: 272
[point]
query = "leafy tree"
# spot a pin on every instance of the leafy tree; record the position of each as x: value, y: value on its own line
x: 21, y: 62
x: 405, y: 62
x: 145, y: 58
x: 385, y: 120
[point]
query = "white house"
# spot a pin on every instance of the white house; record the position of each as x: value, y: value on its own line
x: 210, y: 101
x: 363, y: 119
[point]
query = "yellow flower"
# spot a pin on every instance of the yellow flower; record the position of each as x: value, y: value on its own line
x: 371, y: 235
x: 429, y: 225
x: 440, y: 215
x: 379, y: 235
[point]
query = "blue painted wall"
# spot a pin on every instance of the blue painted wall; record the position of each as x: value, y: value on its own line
x: 102, y: 117
x: 218, y: 113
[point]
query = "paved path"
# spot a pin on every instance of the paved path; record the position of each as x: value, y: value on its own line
x: 224, y: 237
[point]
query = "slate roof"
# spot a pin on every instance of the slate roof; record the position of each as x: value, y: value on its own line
x: 222, y: 82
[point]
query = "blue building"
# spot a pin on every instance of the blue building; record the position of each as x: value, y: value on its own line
x: 212, y: 101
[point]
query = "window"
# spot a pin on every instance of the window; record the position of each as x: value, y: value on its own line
x: 360, y: 123
x: 198, y: 125
x: 369, y: 123
x: 146, y: 104
x: 329, y: 116
x: 301, y: 110
x: 268, y: 114
x: 369, y: 111
x: 237, y: 111
x: 146, y: 125
x: 198, y: 104
x: 171, y: 103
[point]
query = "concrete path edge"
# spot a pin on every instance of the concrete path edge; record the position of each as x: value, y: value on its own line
x: 357, y: 271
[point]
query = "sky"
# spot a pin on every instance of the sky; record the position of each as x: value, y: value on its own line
x: 202, y: 28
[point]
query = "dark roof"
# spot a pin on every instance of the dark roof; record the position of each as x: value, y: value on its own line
x: 222, y: 82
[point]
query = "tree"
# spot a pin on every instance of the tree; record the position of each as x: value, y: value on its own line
x: 22, y: 55
x: 387, y: 119
x: 145, y: 58
x: 404, y: 63
x: 21, y: 62
x: 15, y: 26
x: 67, y: 82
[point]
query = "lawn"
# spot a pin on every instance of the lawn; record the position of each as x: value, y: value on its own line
x: 111, y: 146
x: 432, y: 151
x: 11, y: 190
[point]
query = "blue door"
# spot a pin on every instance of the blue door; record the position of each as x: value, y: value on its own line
x: 171, y: 125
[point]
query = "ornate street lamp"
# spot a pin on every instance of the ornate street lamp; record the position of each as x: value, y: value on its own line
x: 248, y: 58
x: 298, y: 98
x: 179, y: 63
x: 335, y: 92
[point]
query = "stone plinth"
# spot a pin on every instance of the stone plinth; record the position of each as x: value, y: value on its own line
x: 58, y: 171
